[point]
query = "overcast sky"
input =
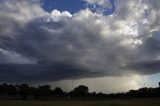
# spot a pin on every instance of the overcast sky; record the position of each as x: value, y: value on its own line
x: 108, y: 45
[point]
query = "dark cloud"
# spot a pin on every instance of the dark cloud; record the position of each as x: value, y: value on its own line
x: 147, y: 67
x: 43, y: 72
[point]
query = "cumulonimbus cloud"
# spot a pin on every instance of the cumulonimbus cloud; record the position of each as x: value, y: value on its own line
x: 36, y: 45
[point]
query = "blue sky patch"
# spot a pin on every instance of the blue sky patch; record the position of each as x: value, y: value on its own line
x: 74, y: 6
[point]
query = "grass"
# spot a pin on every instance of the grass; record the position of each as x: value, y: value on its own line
x: 82, y: 103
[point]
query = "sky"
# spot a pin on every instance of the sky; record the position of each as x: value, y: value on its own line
x: 107, y: 45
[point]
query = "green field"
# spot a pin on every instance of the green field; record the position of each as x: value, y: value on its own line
x: 82, y: 103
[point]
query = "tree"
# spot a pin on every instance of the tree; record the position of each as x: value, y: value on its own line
x: 24, y: 90
x: 4, y: 89
x: 11, y: 89
x: 81, y: 91
x: 43, y: 91
x: 58, y: 92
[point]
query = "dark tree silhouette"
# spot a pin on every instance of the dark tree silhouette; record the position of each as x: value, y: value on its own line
x: 4, y: 89
x: 81, y: 91
x: 24, y: 90
x: 11, y: 89
x: 7, y: 89
x: 58, y: 92
x: 43, y: 91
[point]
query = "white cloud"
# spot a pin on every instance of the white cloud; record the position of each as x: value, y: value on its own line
x: 22, y: 10
x: 57, y: 15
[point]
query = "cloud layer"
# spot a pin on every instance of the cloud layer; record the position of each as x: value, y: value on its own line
x: 39, y: 46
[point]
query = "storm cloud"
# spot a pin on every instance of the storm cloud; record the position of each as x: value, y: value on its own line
x: 39, y: 46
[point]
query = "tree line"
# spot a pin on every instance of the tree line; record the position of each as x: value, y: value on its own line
x: 45, y: 92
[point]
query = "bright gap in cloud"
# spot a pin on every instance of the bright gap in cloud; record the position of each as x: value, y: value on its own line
x: 106, y: 84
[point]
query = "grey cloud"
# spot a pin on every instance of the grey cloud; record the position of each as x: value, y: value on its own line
x: 43, y: 72
x: 147, y: 67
